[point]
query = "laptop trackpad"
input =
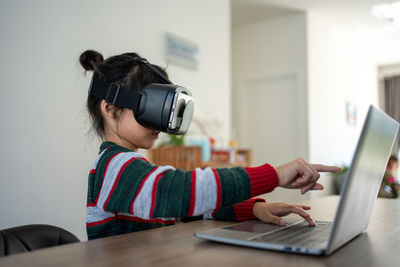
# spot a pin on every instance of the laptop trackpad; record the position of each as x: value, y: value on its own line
x: 258, y: 226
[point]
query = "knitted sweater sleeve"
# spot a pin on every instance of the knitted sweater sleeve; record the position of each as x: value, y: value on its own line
x: 125, y: 183
x: 242, y: 211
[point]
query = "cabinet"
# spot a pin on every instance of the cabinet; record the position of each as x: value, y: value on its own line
x: 189, y: 158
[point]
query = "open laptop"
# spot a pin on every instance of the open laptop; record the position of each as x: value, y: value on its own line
x: 358, y: 195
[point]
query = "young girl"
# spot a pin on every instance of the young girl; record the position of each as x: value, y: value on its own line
x: 126, y: 193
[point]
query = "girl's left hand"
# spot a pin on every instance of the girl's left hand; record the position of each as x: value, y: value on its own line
x: 272, y: 212
x: 302, y: 175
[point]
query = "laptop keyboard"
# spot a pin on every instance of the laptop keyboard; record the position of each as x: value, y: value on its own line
x: 300, y: 234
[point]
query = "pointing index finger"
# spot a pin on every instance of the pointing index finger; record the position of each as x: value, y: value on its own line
x: 324, y: 168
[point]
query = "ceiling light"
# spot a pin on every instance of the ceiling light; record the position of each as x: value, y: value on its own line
x: 388, y: 11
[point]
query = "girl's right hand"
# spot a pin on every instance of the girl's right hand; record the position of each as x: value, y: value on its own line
x: 272, y: 212
x: 300, y: 174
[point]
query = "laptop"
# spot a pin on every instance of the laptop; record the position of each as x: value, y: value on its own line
x: 358, y: 195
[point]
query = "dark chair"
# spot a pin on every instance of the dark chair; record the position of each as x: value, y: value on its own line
x: 31, y: 237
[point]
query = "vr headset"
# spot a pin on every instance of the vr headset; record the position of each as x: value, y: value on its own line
x: 160, y: 106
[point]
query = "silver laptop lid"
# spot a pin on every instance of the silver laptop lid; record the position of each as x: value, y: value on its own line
x: 363, y: 178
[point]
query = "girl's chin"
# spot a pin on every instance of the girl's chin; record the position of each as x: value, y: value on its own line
x: 148, y: 145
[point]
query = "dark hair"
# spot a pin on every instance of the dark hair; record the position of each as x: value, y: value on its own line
x: 393, y: 158
x: 124, y: 69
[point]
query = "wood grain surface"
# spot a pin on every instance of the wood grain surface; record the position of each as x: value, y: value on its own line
x: 175, y: 246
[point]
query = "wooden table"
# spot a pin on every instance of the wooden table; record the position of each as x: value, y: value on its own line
x: 176, y: 246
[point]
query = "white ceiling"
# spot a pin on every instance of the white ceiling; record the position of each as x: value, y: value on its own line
x: 251, y: 11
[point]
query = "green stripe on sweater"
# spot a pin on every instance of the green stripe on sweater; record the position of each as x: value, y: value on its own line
x: 225, y: 213
x: 128, y: 185
x: 173, y: 195
x: 235, y: 189
x: 90, y: 197
x: 101, y: 165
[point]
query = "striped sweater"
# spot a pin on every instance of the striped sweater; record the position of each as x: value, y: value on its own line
x: 127, y: 193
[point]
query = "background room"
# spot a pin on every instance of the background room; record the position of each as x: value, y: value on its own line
x: 282, y: 79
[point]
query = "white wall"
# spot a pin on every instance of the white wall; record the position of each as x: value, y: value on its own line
x: 343, y: 60
x: 46, y: 151
x: 341, y: 57
x: 269, y: 50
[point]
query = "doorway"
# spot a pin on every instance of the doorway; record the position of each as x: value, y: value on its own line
x: 271, y: 123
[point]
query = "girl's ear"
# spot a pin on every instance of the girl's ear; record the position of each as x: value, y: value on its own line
x: 108, y: 111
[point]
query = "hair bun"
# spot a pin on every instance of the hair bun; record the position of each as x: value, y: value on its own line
x: 90, y: 59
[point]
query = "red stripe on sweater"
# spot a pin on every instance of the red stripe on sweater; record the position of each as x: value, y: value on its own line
x: 219, y: 194
x: 140, y: 189
x: 91, y: 205
x: 137, y: 219
x: 117, y: 180
x: 104, y: 175
x: 244, y: 210
x: 154, y: 194
x: 192, y: 194
x: 130, y: 218
x: 101, y: 222
x: 263, y: 179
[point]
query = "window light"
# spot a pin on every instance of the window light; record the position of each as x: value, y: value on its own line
x: 388, y: 11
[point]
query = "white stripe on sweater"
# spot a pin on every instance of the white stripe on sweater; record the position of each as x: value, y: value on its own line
x: 142, y: 204
x: 96, y: 214
x: 206, y: 191
x: 113, y: 169
x: 98, y: 158
x: 208, y: 215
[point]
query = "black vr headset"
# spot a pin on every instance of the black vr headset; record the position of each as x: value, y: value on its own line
x: 165, y: 107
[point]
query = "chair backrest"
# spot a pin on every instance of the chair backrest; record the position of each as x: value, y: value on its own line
x: 31, y: 237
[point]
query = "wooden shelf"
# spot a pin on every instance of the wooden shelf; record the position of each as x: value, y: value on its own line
x: 189, y: 158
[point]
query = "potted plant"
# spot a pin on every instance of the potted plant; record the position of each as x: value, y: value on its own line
x: 174, y: 140
x: 338, y: 179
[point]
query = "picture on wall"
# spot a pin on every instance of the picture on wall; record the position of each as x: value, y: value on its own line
x: 181, y: 52
x: 351, y: 114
